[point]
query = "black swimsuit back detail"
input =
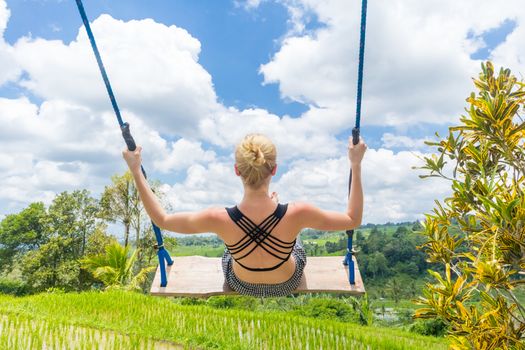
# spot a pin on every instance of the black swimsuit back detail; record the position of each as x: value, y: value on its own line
x: 262, y: 236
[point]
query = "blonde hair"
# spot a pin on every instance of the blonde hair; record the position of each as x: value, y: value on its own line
x: 255, y: 157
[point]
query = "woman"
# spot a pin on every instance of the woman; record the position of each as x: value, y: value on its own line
x: 262, y: 255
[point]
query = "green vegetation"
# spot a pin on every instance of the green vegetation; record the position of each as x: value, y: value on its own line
x: 210, y: 246
x: 482, y: 261
x: 25, y: 333
x: 66, y: 245
x: 115, y: 267
x: 145, y: 319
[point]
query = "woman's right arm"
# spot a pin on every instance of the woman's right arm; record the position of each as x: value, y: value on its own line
x: 187, y: 222
x: 313, y: 217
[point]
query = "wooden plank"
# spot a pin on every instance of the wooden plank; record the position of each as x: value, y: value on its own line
x: 198, y: 276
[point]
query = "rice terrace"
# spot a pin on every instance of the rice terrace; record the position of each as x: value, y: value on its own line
x: 262, y: 174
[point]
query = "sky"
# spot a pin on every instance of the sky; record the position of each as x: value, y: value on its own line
x: 193, y: 77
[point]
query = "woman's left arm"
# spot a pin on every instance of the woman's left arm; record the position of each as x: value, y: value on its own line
x: 200, y: 222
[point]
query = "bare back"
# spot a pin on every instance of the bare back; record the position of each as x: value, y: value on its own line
x: 286, y: 230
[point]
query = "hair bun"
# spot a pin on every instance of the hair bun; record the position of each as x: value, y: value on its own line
x: 255, y: 155
x: 255, y: 158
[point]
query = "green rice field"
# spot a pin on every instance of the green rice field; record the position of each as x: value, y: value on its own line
x: 124, y: 320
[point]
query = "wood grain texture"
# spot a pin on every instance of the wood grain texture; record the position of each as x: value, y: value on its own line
x: 198, y: 276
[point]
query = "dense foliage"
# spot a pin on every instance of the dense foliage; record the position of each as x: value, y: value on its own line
x: 388, y: 258
x: 43, y: 247
x: 484, y: 160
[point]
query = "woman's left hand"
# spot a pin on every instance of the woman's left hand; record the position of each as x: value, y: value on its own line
x: 133, y: 158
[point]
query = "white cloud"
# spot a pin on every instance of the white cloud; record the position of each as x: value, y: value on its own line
x: 61, y: 146
x: 294, y: 137
x: 417, y: 59
x: 390, y: 141
x: 393, y: 191
x: 511, y: 53
x: 183, y: 154
x: 153, y: 69
x: 4, y: 17
x: 212, y: 185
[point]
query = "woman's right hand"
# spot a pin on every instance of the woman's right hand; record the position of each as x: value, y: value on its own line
x: 133, y: 158
x: 356, y: 152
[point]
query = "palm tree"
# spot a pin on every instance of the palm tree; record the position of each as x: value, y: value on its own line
x: 115, y: 267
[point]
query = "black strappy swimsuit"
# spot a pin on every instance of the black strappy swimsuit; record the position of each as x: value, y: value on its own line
x: 260, y: 236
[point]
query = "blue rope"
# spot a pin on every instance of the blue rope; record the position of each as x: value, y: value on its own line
x: 348, y: 261
x: 162, y: 253
x: 361, y: 64
x: 99, y: 61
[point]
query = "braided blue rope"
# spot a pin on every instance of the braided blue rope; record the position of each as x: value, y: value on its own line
x: 162, y: 253
x: 99, y: 61
x: 361, y: 64
x: 348, y: 261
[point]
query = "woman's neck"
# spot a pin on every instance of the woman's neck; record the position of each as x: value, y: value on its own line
x: 255, y: 196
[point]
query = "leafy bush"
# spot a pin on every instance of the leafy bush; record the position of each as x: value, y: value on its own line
x: 115, y: 267
x: 14, y: 287
x: 436, y: 327
x: 477, y: 234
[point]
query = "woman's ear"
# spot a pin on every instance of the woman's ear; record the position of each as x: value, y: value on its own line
x: 274, y: 170
x: 237, y: 172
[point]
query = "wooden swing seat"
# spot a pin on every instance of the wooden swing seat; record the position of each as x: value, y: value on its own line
x: 198, y: 276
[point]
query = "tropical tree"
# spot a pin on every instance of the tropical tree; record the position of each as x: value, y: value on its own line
x: 73, y: 215
x: 477, y: 235
x: 98, y: 241
x: 376, y: 264
x: 68, y: 224
x: 22, y: 232
x: 120, y: 202
x: 114, y: 268
x: 52, y: 265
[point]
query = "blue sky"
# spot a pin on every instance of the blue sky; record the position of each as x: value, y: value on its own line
x: 194, y: 76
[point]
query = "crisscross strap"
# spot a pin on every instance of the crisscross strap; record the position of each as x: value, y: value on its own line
x: 261, y: 235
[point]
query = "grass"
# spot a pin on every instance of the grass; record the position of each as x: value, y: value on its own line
x: 202, y: 250
x: 22, y: 332
x: 148, y: 318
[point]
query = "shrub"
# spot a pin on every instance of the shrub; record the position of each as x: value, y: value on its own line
x: 477, y: 233
x: 14, y: 287
x: 436, y: 327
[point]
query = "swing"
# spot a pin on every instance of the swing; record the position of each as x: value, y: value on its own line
x: 197, y: 276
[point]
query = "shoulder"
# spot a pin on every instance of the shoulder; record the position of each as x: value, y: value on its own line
x: 212, y: 219
x: 301, y: 208
x: 213, y: 213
